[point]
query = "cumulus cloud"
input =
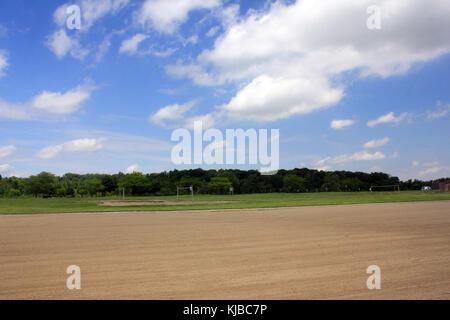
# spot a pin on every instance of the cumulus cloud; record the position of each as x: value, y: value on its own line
x: 3, y: 62
x: 132, y: 168
x: 341, y: 124
x: 387, y: 118
x: 61, y: 44
x: 166, y: 16
x: 207, y: 120
x: 278, y: 98
x: 62, y: 103
x: 376, y: 143
x: 7, y: 150
x: 283, y: 47
x: 80, y: 145
x: 357, y: 156
x: 47, y: 103
x: 91, y: 11
x: 171, y: 112
x: 131, y: 45
x: 415, y: 163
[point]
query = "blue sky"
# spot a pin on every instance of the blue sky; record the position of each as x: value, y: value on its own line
x: 106, y: 97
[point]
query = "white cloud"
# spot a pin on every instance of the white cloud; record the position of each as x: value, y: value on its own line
x: 83, y: 145
x: 132, y: 168
x: 283, y: 47
x: 47, y: 105
x: 94, y: 10
x: 431, y: 164
x: 376, y: 143
x: 3, y: 30
x: 429, y: 171
x: 212, y: 32
x: 103, y: 48
x: 357, y: 156
x: 14, y: 111
x: 61, y: 44
x: 376, y: 169
x: 79, y: 145
x: 62, y: 103
x: 130, y: 46
x: 91, y: 11
x: 269, y: 99
x: 207, y: 120
x: 50, y: 152
x: 7, y: 150
x: 387, y: 118
x: 341, y: 124
x: 415, y: 163
x: 5, y: 168
x: 3, y: 62
x: 126, y: 146
x: 438, y: 113
x: 167, y: 15
x: 394, y: 155
x: 171, y: 112
x: 324, y: 168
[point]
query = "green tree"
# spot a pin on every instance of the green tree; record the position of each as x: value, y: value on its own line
x: 219, y: 185
x: 109, y: 183
x: 135, y: 183
x: 42, y: 184
x: 331, y: 183
x: 94, y: 186
x: 293, y: 183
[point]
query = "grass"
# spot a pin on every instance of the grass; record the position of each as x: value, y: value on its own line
x: 270, y: 200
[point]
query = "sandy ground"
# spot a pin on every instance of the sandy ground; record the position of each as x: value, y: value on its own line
x: 289, y: 253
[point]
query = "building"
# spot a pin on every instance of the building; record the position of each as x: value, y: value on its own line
x: 443, y: 186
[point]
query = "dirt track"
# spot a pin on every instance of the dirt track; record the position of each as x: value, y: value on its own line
x: 289, y: 253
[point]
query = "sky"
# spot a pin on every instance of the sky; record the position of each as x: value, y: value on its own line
x: 345, y: 92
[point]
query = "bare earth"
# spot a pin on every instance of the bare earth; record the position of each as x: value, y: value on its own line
x: 289, y: 253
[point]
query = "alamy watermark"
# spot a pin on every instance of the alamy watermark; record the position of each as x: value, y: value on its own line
x: 374, y: 280
x: 231, y: 150
x: 74, y: 280
x: 73, y: 20
x: 374, y: 20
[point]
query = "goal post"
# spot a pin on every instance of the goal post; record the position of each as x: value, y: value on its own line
x: 190, y: 188
x: 393, y: 187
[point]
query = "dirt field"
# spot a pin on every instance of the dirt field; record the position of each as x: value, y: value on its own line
x: 289, y: 253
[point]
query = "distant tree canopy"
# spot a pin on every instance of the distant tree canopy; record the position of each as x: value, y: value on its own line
x: 203, y: 181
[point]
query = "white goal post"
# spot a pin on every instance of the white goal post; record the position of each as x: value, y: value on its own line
x: 190, y: 188
x: 394, y: 187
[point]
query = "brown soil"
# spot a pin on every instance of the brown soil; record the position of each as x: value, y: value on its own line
x: 288, y: 253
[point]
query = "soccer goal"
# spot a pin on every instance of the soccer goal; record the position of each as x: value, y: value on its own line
x: 191, y: 190
x: 392, y: 187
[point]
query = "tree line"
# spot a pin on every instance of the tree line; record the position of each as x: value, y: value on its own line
x: 219, y: 181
